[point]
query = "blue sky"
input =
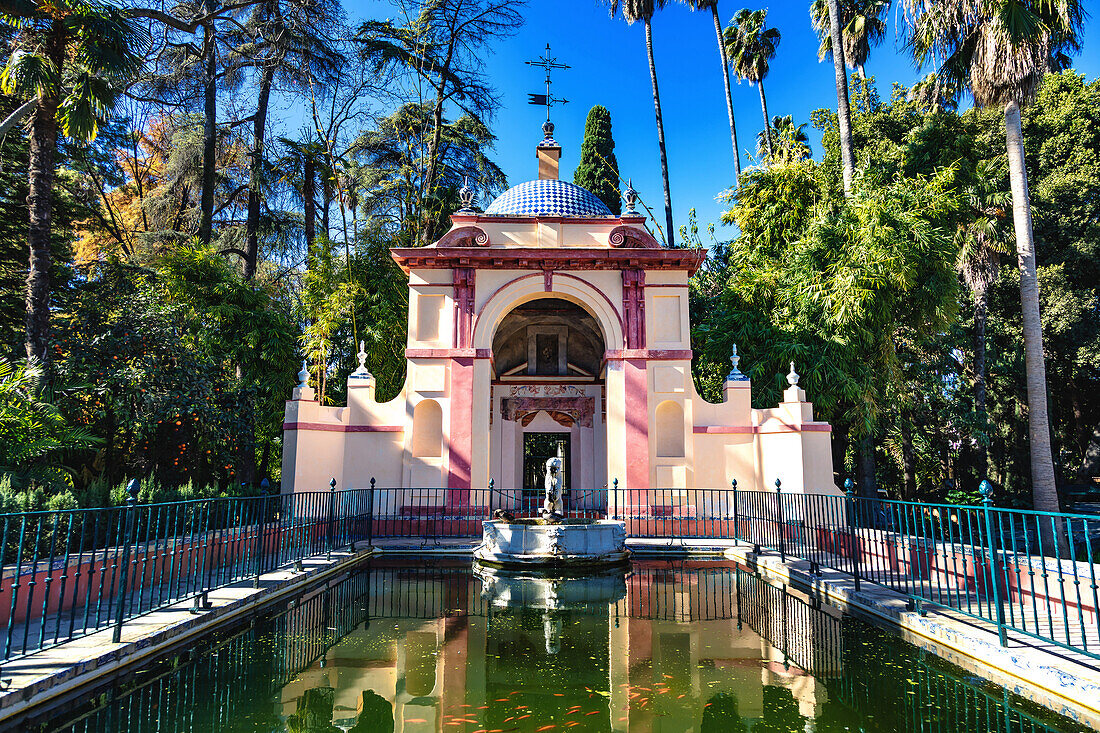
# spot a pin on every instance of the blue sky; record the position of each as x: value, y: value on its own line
x: 609, y: 67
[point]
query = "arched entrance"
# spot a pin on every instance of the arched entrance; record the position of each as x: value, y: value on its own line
x: 548, y: 399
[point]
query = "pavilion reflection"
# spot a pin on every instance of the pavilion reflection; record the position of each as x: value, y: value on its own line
x: 656, y: 643
x: 664, y: 647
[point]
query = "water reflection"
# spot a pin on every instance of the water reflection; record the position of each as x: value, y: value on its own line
x: 664, y: 647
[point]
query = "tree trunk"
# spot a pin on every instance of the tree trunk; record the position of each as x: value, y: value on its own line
x: 1043, y: 489
x: 908, y: 459
x: 209, y: 135
x: 847, y: 157
x: 981, y: 316
x: 326, y: 203
x: 767, y: 120
x: 670, y: 235
x: 252, y: 223
x: 309, y: 199
x: 868, y: 485
x: 40, y: 179
x: 729, y: 93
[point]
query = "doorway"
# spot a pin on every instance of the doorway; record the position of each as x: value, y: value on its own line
x: 537, y: 449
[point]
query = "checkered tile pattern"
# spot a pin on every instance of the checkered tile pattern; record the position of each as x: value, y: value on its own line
x: 547, y: 198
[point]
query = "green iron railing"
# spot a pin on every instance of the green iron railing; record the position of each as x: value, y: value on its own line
x: 66, y: 574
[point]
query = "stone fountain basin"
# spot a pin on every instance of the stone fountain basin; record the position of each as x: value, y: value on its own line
x: 573, y: 544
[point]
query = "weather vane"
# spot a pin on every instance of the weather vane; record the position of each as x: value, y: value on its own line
x: 547, y: 62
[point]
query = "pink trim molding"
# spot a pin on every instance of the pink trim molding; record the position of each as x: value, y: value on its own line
x: 812, y: 427
x: 448, y: 353
x: 330, y: 428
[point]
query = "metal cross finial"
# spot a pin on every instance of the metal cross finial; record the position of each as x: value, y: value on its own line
x: 735, y: 374
x: 547, y: 62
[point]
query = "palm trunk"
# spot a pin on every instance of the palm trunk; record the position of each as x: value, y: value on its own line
x: 252, y: 223
x: 847, y: 157
x: 1043, y: 489
x: 40, y: 179
x: 209, y: 137
x: 868, y: 485
x: 670, y: 235
x: 908, y: 459
x: 729, y: 93
x: 767, y: 123
x: 309, y: 201
x: 981, y: 316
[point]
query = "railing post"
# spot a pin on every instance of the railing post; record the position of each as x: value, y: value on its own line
x: 261, y: 527
x: 370, y: 515
x: 850, y: 493
x: 986, y: 490
x: 779, y: 513
x: 131, y: 503
x: 331, y: 516
x: 736, y: 512
x: 615, y: 493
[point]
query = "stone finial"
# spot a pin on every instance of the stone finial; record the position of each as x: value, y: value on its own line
x: 735, y: 374
x: 466, y: 195
x: 362, y: 372
x: 630, y: 198
x: 792, y: 376
x: 303, y: 376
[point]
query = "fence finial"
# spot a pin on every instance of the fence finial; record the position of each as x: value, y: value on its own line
x: 778, y: 486
x: 332, y: 484
x: 132, y: 490
x: 849, y: 487
x: 986, y: 490
x: 733, y: 484
x: 615, y: 484
x: 492, y: 483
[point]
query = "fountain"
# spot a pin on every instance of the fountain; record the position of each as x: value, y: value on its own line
x: 552, y: 540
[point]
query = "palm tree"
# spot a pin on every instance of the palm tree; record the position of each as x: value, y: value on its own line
x: 751, y: 47
x: 1000, y: 50
x: 712, y: 5
x: 69, y: 56
x: 287, y: 43
x: 983, y: 241
x: 643, y: 10
x: 843, y: 109
x: 863, y: 26
x: 791, y: 142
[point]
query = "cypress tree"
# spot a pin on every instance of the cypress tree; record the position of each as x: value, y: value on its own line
x: 601, y: 177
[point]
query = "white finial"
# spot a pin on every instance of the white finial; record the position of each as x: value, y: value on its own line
x: 735, y: 374
x: 303, y: 376
x: 362, y: 372
x: 792, y: 377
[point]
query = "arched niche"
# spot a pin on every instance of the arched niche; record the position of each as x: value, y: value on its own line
x: 548, y: 337
x: 565, y: 287
x: 670, y: 430
x: 427, y: 430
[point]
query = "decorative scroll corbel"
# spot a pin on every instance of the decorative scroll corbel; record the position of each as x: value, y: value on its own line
x: 464, y: 237
x: 629, y: 237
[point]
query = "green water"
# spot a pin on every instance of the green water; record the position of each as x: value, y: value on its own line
x: 404, y: 646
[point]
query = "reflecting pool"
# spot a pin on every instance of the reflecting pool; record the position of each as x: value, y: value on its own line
x: 688, y: 646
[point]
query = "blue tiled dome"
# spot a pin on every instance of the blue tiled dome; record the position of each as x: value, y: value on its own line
x: 547, y: 197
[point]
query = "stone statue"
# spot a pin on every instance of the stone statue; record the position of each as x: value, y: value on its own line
x: 552, y: 508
